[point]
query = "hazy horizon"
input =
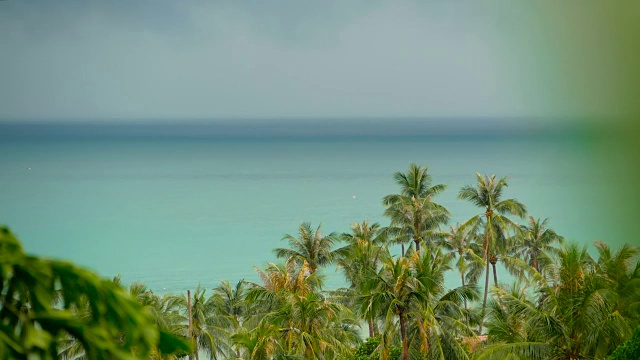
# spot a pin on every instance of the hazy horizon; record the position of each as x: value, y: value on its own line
x: 365, y: 128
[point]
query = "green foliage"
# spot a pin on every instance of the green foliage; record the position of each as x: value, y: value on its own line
x: 368, y: 350
x: 39, y: 305
x: 395, y: 353
x: 630, y: 349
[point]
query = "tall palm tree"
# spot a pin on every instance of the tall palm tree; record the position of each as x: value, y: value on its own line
x: 412, y: 287
x: 534, y: 239
x: 438, y: 324
x: 488, y: 195
x: 414, y: 215
x: 461, y: 243
x: 358, y: 259
x: 230, y: 303
x: 310, y: 247
x: 393, y: 289
x: 208, y: 329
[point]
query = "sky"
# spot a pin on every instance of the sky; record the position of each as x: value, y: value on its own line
x: 161, y: 59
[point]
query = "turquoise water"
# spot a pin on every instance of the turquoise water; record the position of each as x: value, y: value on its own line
x: 175, y: 211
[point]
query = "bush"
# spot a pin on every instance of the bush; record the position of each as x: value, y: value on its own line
x: 367, y: 351
x: 628, y: 350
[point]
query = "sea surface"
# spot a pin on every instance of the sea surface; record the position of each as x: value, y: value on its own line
x: 180, y: 204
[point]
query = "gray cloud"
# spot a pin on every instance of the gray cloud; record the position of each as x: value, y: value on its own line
x: 199, y: 59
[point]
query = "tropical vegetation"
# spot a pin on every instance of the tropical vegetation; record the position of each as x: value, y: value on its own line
x: 560, y: 300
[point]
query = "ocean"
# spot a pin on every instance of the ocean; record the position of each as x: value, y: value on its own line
x: 174, y: 205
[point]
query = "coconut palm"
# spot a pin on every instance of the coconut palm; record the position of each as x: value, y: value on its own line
x: 309, y: 325
x: 230, y: 303
x: 280, y: 279
x: 359, y: 258
x: 258, y: 343
x: 393, y: 289
x: 621, y: 274
x: 208, y: 328
x: 506, y: 324
x: 488, y: 195
x: 315, y: 328
x: 461, y: 243
x: 414, y: 216
x: 412, y: 287
x: 362, y: 252
x: 310, y: 247
x: 571, y: 316
x: 534, y: 239
x: 438, y: 328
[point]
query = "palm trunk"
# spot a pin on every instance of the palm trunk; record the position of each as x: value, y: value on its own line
x: 484, y: 302
x: 402, y: 249
x: 466, y: 316
x: 403, y: 334
x: 486, y: 281
x: 236, y: 325
x: 495, y: 274
x: 372, y: 332
x: 190, y: 335
x: 465, y: 299
x: 417, y: 239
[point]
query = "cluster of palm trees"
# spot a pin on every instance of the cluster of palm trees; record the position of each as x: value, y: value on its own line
x: 562, y: 303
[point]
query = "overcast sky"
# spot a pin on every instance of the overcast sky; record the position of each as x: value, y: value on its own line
x: 215, y: 59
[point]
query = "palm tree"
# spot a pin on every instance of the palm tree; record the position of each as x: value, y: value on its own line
x: 414, y: 216
x: 505, y: 323
x: 438, y: 325
x: 412, y: 287
x: 309, y: 325
x: 488, y: 195
x: 310, y: 247
x: 620, y: 273
x: 208, y: 329
x: 534, y: 239
x: 260, y: 342
x: 278, y: 279
x: 393, y: 288
x: 359, y: 258
x: 230, y: 303
x: 460, y: 242
x: 573, y: 314
x: 315, y: 328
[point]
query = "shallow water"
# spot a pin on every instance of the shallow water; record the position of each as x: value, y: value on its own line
x: 175, y: 211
